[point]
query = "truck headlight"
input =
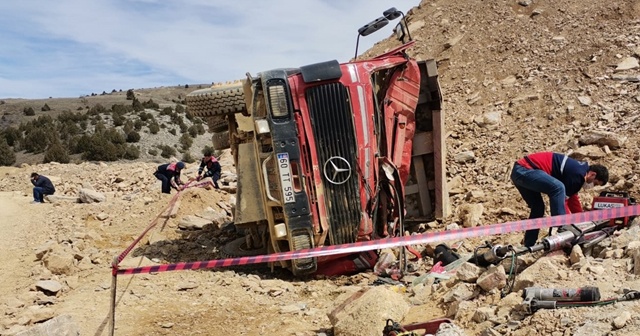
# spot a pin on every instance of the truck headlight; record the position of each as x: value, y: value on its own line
x: 278, y: 101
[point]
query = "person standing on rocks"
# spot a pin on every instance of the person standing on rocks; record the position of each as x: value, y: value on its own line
x: 559, y: 177
x: 169, y: 174
x: 42, y: 187
x: 213, y: 167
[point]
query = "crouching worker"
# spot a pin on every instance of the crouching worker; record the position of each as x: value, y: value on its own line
x: 213, y: 167
x: 559, y: 177
x: 42, y: 187
x: 169, y: 174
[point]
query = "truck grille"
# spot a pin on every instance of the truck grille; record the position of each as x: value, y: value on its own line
x: 335, y: 137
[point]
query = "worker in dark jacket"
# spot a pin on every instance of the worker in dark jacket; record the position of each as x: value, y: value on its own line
x: 213, y: 167
x: 169, y: 174
x: 559, y: 177
x: 42, y: 187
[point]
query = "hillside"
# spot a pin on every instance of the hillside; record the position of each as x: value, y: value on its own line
x: 518, y: 76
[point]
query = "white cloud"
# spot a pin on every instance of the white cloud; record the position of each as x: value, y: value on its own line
x: 68, y: 48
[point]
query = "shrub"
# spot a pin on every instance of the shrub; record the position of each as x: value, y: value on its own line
x: 120, y: 109
x: 100, y: 127
x: 137, y: 125
x: 131, y: 95
x: 7, y: 156
x: 193, y: 131
x: 56, y: 153
x: 114, y: 136
x: 28, y: 111
x: 99, y: 148
x: 97, y: 109
x: 166, y: 111
x: 172, y: 131
x: 128, y: 126
x: 183, y: 128
x: 154, y: 128
x: 45, y: 108
x: 118, y: 120
x: 167, y: 151
x: 150, y: 104
x: 35, y: 141
x: 186, y: 141
x: 179, y: 109
x: 187, y: 157
x: 133, y: 136
x: 153, y: 152
x: 12, y: 135
x: 131, y: 152
x: 137, y: 105
x: 201, y: 129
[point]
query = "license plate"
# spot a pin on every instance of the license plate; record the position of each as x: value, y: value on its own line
x: 285, y: 178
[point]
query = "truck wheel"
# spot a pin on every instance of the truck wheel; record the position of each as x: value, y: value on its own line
x: 221, y: 140
x: 238, y: 248
x: 217, y: 124
x: 217, y: 100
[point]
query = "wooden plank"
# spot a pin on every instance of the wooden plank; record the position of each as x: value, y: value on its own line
x: 421, y: 179
x: 422, y: 143
x: 443, y: 208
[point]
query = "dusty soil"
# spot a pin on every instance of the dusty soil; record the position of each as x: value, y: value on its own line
x: 517, y: 77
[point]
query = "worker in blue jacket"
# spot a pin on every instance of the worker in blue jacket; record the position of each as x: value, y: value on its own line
x: 560, y: 178
x: 169, y: 174
x: 42, y: 187
x: 213, y: 168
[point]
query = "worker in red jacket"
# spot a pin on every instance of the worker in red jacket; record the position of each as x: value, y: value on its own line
x: 558, y: 176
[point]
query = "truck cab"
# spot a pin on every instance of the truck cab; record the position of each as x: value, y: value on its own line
x: 325, y: 154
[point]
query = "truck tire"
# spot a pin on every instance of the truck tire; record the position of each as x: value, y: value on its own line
x: 221, y: 140
x: 217, y: 124
x: 238, y: 248
x: 217, y: 100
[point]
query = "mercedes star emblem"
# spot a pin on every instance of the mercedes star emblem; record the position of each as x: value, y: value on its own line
x: 337, y: 170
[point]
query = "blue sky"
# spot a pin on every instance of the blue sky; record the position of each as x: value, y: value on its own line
x: 70, y: 48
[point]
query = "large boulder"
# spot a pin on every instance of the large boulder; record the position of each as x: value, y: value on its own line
x: 91, y: 196
x: 366, y: 312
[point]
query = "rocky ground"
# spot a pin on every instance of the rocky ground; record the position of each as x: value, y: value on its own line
x: 517, y: 77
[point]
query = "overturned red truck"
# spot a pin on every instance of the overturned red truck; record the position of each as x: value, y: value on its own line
x: 331, y: 153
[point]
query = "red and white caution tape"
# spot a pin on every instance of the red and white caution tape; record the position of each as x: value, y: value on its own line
x: 424, y: 238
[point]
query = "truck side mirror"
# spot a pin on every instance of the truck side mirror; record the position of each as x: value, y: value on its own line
x: 391, y: 13
x: 373, y: 26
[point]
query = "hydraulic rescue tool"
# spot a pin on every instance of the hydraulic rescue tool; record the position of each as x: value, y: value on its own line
x: 551, y: 298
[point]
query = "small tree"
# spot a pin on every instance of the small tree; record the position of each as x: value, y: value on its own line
x: 137, y: 105
x: 131, y: 95
x: 133, y: 136
x: 7, y: 156
x: 45, y: 108
x: 128, y: 126
x: 187, y: 157
x: 193, y: 131
x: 56, y: 153
x: 167, y: 151
x: 131, y: 152
x: 154, y: 128
x: 12, y: 135
x: 29, y: 111
x: 186, y: 141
